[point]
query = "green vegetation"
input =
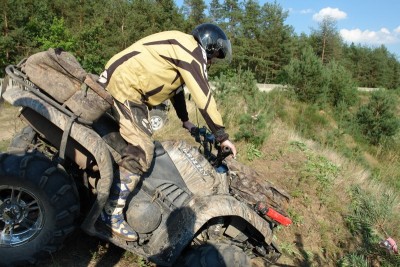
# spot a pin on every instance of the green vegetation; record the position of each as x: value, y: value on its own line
x: 4, y: 144
x: 314, y: 82
x: 368, y: 219
x: 253, y: 116
x: 263, y: 43
x: 377, y: 119
x: 362, y: 128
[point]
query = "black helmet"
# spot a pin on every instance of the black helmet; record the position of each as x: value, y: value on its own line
x: 214, y: 41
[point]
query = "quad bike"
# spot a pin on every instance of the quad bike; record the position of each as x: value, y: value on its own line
x: 58, y: 172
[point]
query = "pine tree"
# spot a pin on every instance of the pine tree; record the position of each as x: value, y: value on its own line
x: 326, y: 40
x: 194, y: 11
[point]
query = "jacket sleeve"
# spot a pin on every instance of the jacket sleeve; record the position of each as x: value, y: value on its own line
x: 179, y: 103
x: 194, y: 74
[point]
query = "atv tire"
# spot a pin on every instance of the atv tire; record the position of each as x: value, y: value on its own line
x: 218, y: 255
x: 39, y: 205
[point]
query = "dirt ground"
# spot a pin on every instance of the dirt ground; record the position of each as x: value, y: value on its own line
x: 82, y: 250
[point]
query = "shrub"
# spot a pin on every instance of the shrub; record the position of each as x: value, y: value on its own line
x: 244, y: 105
x: 313, y: 82
x: 342, y: 89
x: 309, y: 121
x: 307, y: 77
x: 252, y: 129
x: 377, y: 120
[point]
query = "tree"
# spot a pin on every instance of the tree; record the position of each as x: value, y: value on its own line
x: 394, y: 69
x: 21, y: 23
x: 216, y: 12
x: 194, y: 12
x: 372, y: 67
x: 56, y: 36
x: 326, y: 40
x: 380, y: 72
x: 276, y: 41
x: 248, y: 49
x: 231, y: 18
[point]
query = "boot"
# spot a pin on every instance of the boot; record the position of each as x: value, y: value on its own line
x: 112, y: 215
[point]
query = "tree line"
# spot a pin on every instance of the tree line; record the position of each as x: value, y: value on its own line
x: 94, y: 30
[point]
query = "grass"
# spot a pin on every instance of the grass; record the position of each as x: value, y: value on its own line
x: 4, y: 145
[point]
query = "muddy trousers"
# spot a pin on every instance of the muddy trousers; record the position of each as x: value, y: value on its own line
x: 135, y: 160
x: 135, y: 128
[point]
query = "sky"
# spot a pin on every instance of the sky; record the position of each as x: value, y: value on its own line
x: 366, y: 22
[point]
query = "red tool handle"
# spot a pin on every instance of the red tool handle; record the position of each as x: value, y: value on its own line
x: 276, y: 216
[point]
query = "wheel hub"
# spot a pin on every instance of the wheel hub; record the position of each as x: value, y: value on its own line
x: 155, y: 122
x: 21, y: 216
x: 12, y: 213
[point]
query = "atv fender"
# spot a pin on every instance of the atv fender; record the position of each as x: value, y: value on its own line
x: 210, y: 207
x: 183, y: 223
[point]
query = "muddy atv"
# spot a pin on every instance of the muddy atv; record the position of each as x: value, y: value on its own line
x: 186, y: 210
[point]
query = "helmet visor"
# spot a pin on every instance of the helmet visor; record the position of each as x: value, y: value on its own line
x: 223, y: 51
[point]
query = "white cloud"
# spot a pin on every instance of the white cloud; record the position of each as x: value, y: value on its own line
x: 334, y: 13
x: 385, y: 31
x: 306, y: 11
x: 301, y: 11
x: 383, y: 36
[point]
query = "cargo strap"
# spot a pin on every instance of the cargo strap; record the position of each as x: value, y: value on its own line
x: 98, y: 89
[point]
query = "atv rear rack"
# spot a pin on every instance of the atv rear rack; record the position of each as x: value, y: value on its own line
x: 29, y: 96
x: 22, y: 79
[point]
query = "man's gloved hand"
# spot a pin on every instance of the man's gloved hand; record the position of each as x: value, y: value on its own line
x: 229, y: 144
x: 188, y: 125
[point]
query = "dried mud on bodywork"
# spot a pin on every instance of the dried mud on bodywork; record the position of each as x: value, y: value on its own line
x: 253, y: 186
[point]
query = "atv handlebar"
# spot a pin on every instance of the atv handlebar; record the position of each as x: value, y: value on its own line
x: 207, y: 140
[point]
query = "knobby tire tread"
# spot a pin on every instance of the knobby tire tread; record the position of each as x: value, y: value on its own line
x: 61, y: 204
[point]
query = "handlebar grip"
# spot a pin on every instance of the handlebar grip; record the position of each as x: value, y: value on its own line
x: 226, y: 149
x: 194, y: 131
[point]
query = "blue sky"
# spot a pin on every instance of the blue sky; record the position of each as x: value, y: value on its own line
x: 366, y: 22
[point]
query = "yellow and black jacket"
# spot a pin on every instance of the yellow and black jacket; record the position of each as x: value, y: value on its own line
x: 152, y: 69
